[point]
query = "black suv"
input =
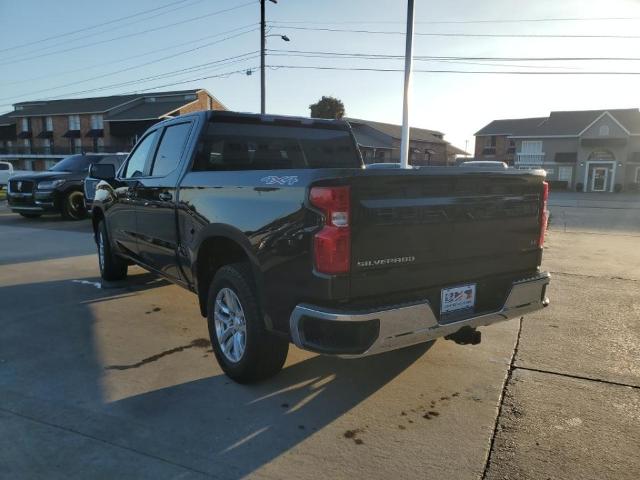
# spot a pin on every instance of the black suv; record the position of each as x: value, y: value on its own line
x: 57, y: 190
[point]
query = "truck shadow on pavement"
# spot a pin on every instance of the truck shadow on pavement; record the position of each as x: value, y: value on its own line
x: 236, y: 429
x: 49, y: 352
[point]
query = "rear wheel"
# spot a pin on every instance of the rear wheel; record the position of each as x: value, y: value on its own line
x: 31, y: 215
x: 112, y: 267
x: 245, y: 350
x: 73, y: 206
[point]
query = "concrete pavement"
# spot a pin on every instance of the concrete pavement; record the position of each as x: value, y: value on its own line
x: 120, y: 381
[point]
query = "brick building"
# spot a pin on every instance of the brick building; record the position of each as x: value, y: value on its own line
x: 583, y: 150
x: 36, y: 134
x: 380, y: 143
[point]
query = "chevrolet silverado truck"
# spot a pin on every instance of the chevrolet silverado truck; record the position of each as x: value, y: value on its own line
x: 281, y: 233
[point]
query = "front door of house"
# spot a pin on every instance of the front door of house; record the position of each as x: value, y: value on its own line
x: 599, y: 180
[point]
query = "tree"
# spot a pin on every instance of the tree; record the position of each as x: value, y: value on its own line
x: 327, y: 107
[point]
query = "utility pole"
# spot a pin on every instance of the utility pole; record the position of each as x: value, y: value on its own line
x: 408, y: 65
x: 263, y: 41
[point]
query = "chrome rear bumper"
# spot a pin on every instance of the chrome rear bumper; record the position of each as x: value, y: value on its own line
x: 410, y: 324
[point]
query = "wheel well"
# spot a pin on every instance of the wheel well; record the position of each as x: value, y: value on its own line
x: 215, y: 252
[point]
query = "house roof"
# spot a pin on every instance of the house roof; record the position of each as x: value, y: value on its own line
x: 5, y: 119
x: 453, y: 150
x: 570, y: 123
x: 511, y: 126
x: 86, y: 105
x: 146, y: 110
x: 395, y: 131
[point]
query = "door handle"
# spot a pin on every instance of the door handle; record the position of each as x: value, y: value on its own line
x: 165, y: 196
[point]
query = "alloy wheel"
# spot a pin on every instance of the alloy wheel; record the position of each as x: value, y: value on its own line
x: 230, y: 324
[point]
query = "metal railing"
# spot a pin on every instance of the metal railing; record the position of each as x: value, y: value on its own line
x: 529, y: 159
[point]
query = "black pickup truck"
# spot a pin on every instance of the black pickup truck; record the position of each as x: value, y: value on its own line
x: 285, y: 237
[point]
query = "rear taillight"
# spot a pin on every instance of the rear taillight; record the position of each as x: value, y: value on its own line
x: 544, y: 213
x: 332, y: 244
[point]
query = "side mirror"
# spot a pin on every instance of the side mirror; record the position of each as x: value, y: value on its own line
x: 102, y: 171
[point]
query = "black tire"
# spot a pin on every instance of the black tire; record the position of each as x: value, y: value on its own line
x: 112, y: 267
x: 31, y: 215
x: 264, y: 352
x: 73, y: 206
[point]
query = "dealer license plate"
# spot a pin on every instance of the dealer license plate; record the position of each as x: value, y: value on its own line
x: 458, y: 298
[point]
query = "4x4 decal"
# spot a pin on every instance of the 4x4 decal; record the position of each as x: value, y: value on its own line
x: 275, y: 180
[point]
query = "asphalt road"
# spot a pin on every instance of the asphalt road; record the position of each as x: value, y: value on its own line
x: 120, y: 381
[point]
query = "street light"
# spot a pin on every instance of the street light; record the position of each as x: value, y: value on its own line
x: 263, y: 41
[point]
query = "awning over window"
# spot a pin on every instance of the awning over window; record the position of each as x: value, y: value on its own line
x: 72, y: 134
x: 45, y: 134
x: 566, y: 157
x: 26, y: 134
x: 95, y: 133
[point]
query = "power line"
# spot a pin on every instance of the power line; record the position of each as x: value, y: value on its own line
x: 216, y: 63
x: 199, y: 17
x: 494, y: 72
x: 117, y: 27
x: 91, y: 27
x: 426, y: 59
x: 120, y: 60
x: 447, y: 22
x: 220, y: 75
x: 474, y: 35
x: 130, y: 68
x: 448, y: 57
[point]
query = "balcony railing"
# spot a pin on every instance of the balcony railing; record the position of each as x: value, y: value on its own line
x: 529, y: 159
x: 489, y: 151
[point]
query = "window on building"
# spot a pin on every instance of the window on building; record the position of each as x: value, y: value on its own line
x: 24, y: 124
x: 637, y: 174
x: 26, y: 143
x: 531, y: 147
x: 565, y: 174
x: 46, y: 145
x: 604, y: 130
x: 74, y: 122
x: 48, y: 124
x: 171, y: 145
x: 97, y: 122
x: 77, y: 145
x: 138, y: 159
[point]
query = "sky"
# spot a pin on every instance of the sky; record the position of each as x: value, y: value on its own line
x: 84, y: 48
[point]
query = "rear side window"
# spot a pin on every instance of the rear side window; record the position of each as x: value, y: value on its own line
x: 235, y: 146
x: 138, y: 159
x: 170, y: 149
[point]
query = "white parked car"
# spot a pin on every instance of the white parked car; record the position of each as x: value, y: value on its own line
x: 6, y: 171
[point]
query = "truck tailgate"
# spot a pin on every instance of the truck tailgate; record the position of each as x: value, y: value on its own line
x: 414, y: 232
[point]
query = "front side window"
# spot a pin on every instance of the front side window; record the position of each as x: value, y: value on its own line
x: 170, y: 149
x: 256, y: 146
x: 138, y: 159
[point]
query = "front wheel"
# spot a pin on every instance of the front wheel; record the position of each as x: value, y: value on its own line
x: 73, y: 206
x: 112, y: 267
x: 245, y: 350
